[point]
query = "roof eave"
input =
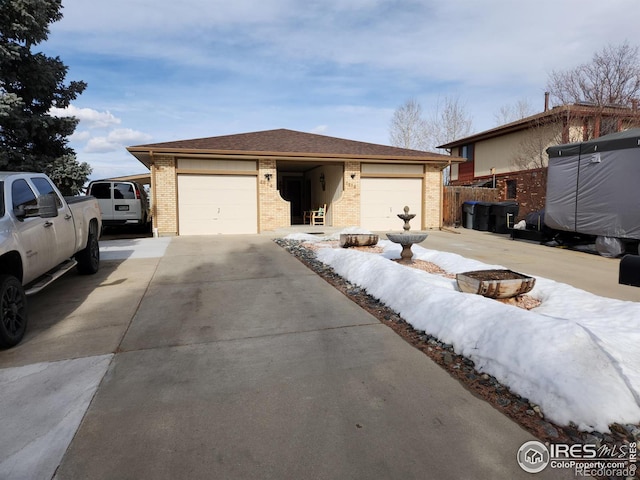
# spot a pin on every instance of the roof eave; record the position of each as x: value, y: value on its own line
x: 499, y: 131
x: 548, y: 116
x: 144, y: 154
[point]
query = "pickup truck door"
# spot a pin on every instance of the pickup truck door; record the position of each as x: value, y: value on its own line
x: 37, y: 240
x: 63, y: 227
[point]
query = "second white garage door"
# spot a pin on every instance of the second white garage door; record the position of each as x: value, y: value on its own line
x: 212, y: 204
x: 382, y: 199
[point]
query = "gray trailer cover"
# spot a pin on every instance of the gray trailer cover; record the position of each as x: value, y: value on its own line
x: 594, y: 187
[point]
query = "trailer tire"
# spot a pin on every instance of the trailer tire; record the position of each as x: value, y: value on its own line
x: 89, y: 257
x: 610, y: 247
x: 13, y: 311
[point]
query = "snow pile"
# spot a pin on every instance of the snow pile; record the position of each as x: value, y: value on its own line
x: 576, y: 355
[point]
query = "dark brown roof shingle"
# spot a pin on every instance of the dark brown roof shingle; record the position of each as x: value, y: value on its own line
x: 287, y: 142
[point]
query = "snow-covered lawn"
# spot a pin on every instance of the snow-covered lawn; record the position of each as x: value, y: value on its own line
x: 577, y: 355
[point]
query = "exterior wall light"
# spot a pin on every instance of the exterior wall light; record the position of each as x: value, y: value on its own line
x: 323, y: 182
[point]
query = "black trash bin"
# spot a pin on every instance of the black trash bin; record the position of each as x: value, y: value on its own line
x: 482, y: 216
x: 468, y: 212
x: 630, y: 270
x: 503, y: 214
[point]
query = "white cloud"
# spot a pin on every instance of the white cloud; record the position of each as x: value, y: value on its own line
x: 127, y: 136
x: 101, y: 145
x: 88, y: 117
x: 320, y: 129
x: 80, y: 136
x: 116, y: 140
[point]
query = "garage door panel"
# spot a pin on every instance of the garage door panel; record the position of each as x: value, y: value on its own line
x: 382, y: 199
x: 212, y: 204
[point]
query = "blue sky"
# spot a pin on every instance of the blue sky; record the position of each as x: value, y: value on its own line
x: 164, y: 70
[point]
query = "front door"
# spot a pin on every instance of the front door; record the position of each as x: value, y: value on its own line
x: 292, y: 191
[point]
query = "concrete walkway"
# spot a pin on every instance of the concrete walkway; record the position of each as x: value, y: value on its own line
x: 232, y: 360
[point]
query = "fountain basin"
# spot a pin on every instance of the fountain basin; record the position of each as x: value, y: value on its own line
x: 495, y: 283
x: 358, y: 239
x: 407, y: 238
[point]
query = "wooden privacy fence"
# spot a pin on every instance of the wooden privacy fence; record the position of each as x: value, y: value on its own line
x: 454, y: 197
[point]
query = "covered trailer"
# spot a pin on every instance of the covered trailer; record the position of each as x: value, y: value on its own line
x: 593, y: 188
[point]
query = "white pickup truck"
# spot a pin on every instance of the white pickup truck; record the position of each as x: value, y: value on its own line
x: 42, y: 236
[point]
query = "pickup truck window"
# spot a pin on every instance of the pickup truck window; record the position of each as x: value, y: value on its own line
x: 1, y: 199
x: 22, y: 194
x: 45, y: 188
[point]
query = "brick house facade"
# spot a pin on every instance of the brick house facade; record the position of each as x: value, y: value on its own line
x: 262, y: 181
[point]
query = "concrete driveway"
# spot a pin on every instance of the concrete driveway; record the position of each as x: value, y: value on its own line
x: 224, y: 357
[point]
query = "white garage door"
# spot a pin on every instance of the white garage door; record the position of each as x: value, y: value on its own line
x: 211, y: 204
x: 382, y: 199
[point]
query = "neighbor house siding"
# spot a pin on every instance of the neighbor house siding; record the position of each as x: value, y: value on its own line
x: 508, y: 152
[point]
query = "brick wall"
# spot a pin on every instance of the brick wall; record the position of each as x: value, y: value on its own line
x: 432, y: 194
x: 531, y: 189
x: 165, y: 208
x: 273, y: 211
x: 346, y: 210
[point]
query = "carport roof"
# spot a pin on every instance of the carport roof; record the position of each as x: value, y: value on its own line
x: 288, y: 144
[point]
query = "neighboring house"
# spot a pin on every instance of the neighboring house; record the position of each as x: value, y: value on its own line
x: 261, y: 181
x: 513, y: 157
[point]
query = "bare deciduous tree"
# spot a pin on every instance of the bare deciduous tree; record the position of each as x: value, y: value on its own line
x: 408, y: 128
x: 606, y: 86
x: 611, y: 78
x: 449, y: 121
x: 511, y: 113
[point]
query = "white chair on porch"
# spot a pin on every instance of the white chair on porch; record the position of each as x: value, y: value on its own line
x: 317, y: 216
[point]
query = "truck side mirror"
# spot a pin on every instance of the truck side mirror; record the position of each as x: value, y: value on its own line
x: 47, y: 206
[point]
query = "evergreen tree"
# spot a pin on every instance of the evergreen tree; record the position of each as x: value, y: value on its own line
x: 31, y: 83
x: 68, y: 174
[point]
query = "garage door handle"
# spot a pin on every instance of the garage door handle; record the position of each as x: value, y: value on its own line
x: 218, y: 210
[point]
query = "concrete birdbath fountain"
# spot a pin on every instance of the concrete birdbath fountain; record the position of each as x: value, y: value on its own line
x: 405, y: 238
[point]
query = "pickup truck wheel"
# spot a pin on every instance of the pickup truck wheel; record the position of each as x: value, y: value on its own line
x: 89, y: 258
x: 13, y: 311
